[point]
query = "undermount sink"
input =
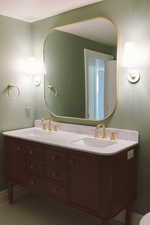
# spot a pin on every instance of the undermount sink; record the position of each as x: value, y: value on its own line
x: 41, y: 134
x: 94, y: 142
x: 34, y: 133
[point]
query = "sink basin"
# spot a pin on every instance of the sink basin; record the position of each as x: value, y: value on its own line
x: 94, y: 142
x: 34, y: 133
x: 56, y: 136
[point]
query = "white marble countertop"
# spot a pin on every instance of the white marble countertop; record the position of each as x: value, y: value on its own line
x: 71, y: 140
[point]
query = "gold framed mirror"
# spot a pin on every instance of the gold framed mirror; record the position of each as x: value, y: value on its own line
x: 80, y: 82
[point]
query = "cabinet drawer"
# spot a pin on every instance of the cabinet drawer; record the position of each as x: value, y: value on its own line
x: 16, y: 168
x: 55, y: 159
x: 56, y: 189
x: 36, y: 184
x: 34, y: 168
x: 34, y: 151
x: 56, y: 174
x: 16, y: 146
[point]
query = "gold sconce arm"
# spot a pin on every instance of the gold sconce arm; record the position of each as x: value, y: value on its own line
x: 12, y: 86
x: 53, y: 89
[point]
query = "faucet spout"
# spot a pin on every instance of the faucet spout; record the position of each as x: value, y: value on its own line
x: 98, y: 133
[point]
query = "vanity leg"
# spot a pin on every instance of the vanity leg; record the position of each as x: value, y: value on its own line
x: 128, y: 216
x: 10, y: 193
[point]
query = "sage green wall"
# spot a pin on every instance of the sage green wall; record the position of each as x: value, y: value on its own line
x: 132, y: 19
x: 64, y: 60
x: 15, y: 45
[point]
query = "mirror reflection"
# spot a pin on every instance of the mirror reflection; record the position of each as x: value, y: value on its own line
x: 80, y: 61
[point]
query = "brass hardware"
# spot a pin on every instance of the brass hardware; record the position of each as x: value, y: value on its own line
x: 43, y: 124
x: 18, y: 148
x: 30, y: 152
x: 53, y: 174
x: 52, y: 127
x: 53, y: 89
x: 99, y: 133
x: 53, y: 157
x: 49, y: 125
x: 12, y: 86
x: 55, y: 127
x: 113, y: 136
x: 75, y: 119
x: 32, y: 182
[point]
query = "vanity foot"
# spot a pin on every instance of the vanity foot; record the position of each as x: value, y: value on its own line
x: 10, y: 194
x: 128, y: 216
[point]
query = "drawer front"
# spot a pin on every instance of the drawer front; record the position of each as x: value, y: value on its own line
x: 55, y: 159
x: 34, y: 168
x: 56, y: 189
x: 56, y: 174
x: 36, y: 184
x: 34, y: 152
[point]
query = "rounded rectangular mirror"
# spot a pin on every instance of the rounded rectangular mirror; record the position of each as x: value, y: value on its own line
x: 80, y: 63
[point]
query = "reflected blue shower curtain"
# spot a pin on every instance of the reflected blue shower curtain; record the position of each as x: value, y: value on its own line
x: 96, y: 69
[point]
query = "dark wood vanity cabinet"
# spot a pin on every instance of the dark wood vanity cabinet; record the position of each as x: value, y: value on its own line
x: 83, y: 180
x: 101, y: 185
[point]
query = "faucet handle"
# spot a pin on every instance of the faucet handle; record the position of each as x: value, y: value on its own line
x: 49, y: 125
x: 55, y: 127
x: 97, y: 133
x: 113, y: 136
x: 52, y: 126
x: 43, y: 123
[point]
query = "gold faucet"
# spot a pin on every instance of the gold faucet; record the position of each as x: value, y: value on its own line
x: 46, y: 123
x: 43, y: 124
x: 98, y: 133
x: 52, y: 127
x: 113, y: 136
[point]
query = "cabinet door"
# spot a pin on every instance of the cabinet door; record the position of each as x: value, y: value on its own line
x: 34, y: 160
x: 16, y: 168
x: 83, y: 175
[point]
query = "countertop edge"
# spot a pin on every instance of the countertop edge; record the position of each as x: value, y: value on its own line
x: 70, y: 147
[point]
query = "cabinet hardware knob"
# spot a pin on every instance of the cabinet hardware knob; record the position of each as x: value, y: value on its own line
x: 54, y: 174
x: 54, y: 190
x: 32, y: 182
x: 49, y: 174
x: 53, y: 157
x: 18, y: 148
x: 71, y: 162
x: 30, y: 152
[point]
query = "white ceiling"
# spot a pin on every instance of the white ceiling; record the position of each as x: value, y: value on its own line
x: 33, y: 10
x: 99, y: 30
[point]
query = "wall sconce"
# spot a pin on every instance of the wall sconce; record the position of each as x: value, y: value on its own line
x: 12, y: 86
x: 132, y: 58
x: 53, y: 89
x: 34, y: 67
x: 133, y: 76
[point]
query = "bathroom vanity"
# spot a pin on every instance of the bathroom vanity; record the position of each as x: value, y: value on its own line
x: 102, y: 182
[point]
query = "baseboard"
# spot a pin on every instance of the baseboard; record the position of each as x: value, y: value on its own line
x: 20, y: 192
